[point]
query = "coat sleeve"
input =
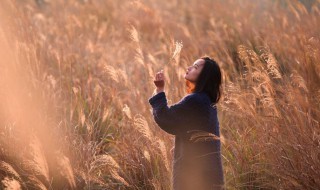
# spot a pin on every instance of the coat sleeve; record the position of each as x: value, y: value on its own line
x: 173, y: 119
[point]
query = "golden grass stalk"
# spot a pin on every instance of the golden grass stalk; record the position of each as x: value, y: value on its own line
x: 38, y: 162
x: 142, y: 126
x: 116, y: 176
x: 201, y: 136
x: 66, y: 170
x: 269, y: 114
x: 176, y: 52
x: 9, y: 170
x: 127, y: 111
x: 146, y: 154
x: 134, y: 35
x: 11, y: 184
x: 104, y: 160
x: 36, y: 183
x: 112, y: 73
x: 163, y: 150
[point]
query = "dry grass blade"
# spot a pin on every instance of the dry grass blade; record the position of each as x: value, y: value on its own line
x: 177, y: 50
x: 38, y: 163
x: 104, y: 160
x: 66, y: 170
x: 272, y: 64
x: 134, y: 35
x: 117, y: 75
x: 142, y: 126
x: 201, y: 136
x: 11, y: 184
x: 112, y: 72
x: 35, y: 183
x: 116, y: 176
x: 127, y: 111
x: 163, y: 151
x: 93, y: 64
x: 298, y: 81
x: 146, y: 154
x: 9, y: 170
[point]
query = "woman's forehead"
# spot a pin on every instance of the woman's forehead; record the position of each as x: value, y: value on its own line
x: 199, y: 62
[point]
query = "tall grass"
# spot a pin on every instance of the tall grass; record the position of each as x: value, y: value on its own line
x: 76, y: 76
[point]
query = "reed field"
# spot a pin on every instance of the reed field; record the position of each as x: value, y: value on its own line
x: 76, y: 76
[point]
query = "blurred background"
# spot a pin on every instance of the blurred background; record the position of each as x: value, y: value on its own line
x: 76, y: 76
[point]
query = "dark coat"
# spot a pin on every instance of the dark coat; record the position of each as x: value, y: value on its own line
x: 196, y: 165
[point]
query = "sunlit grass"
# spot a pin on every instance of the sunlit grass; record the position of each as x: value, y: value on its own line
x: 76, y: 77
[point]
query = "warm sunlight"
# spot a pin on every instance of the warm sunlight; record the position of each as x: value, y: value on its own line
x: 76, y: 77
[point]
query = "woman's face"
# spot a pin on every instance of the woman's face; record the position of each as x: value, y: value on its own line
x: 194, y: 71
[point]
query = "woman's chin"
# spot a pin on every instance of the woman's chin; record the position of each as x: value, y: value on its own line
x: 187, y: 78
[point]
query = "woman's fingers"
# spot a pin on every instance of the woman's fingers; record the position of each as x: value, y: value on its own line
x: 159, y: 79
x: 159, y: 75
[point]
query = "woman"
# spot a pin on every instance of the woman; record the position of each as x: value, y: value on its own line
x: 197, y: 161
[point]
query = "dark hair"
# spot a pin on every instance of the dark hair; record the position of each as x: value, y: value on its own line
x: 209, y: 80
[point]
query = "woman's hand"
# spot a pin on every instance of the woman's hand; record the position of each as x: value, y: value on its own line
x: 159, y: 81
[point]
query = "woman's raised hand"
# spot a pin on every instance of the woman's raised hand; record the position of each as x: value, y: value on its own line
x: 159, y: 81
